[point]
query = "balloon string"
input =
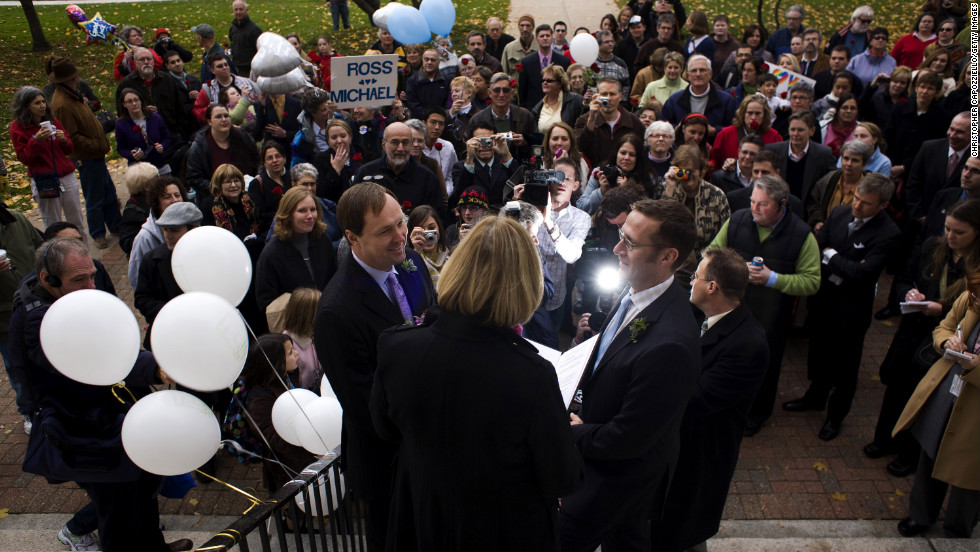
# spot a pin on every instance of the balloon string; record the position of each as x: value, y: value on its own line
x: 227, y: 534
x: 122, y: 386
x: 285, y: 385
x: 255, y: 501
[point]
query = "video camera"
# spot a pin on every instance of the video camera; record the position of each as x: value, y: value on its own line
x: 536, y: 180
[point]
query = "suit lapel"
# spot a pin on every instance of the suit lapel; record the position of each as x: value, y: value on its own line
x: 374, y: 298
x: 652, y: 313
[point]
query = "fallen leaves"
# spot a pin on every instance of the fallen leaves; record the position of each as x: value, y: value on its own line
x: 840, y: 497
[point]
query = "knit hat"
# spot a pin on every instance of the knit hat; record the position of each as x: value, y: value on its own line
x: 60, y: 69
x: 474, y: 195
x: 526, y: 17
x: 205, y: 30
x: 160, y: 32
x: 182, y: 213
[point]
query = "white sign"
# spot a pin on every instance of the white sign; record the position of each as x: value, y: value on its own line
x: 363, y: 81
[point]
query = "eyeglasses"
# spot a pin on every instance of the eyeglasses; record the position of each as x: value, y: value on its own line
x: 549, y: 80
x: 866, y: 21
x: 848, y: 108
x: 130, y: 102
x: 559, y: 30
x: 879, y: 37
x: 232, y: 181
x: 220, y: 65
x: 947, y: 30
x: 631, y: 245
x: 500, y: 90
x: 694, y: 276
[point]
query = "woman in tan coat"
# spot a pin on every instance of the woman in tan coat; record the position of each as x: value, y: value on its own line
x: 942, y: 415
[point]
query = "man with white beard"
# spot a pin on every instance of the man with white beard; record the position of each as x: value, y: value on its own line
x: 158, y: 91
x: 854, y: 35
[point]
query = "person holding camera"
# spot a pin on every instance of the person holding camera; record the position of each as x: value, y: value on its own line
x: 606, y: 122
x: 428, y: 239
x: 488, y: 164
x: 164, y: 43
x: 625, y: 165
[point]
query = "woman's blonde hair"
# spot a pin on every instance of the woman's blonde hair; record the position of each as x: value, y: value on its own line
x: 795, y: 63
x: 138, y: 175
x: 284, y: 215
x: 494, y: 274
x: 467, y: 83
x: 300, y: 311
x: 223, y: 173
x: 558, y: 73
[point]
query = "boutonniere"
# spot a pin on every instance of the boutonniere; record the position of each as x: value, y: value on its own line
x: 416, y: 320
x: 409, y: 266
x: 637, y: 327
x: 357, y: 157
x: 136, y: 128
x: 284, y: 114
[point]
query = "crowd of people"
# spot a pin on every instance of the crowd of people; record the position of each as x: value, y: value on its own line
x: 724, y: 204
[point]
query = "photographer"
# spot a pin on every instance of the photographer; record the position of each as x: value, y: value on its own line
x: 163, y: 43
x: 488, y: 163
x: 428, y: 239
x: 625, y: 165
x: 562, y: 234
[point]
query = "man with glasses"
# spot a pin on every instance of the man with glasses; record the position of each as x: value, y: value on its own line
x: 496, y: 38
x: 812, y: 60
x: 411, y: 183
x: 790, y: 267
x: 427, y: 87
x: 779, y: 43
x: 876, y: 61
x: 205, y: 39
x: 700, y: 97
x: 736, y: 174
x: 223, y: 78
x: 158, y: 91
x: 503, y: 116
x: 529, y: 78
x: 969, y: 188
x: 519, y: 49
x: 637, y: 382
x: 854, y: 35
x: 560, y: 43
x: 434, y: 147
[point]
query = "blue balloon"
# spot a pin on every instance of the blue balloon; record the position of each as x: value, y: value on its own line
x: 408, y: 26
x: 440, y: 14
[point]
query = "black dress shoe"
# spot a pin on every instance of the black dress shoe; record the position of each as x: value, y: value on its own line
x: 829, y: 431
x: 181, y: 545
x: 872, y: 450
x: 899, y: 468
x: 886, y: 313
x: 909, y: 528
x: 800, y: 405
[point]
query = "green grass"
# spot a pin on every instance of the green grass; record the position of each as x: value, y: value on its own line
x: 307, y: 18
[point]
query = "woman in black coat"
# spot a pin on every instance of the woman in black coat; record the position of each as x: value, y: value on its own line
x: 267, y: 187
x: 485, y: 446
x: 338, y: 164
x: 562, y: 101
x: 300, y: 255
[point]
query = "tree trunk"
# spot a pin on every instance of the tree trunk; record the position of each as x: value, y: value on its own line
x: 369, y: 7
x: 37, y: 34
x: 758, y: 11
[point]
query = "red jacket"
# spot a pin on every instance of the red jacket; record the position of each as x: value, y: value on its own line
x: 37, y: 156
x: 119, y: 75
x: 726, y: 145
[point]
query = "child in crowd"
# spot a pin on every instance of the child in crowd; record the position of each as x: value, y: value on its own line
x: 767, y: 87
x: 297, y: 323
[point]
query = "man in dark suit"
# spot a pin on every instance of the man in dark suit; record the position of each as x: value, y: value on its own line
x: 801, y: 160
x: 969, y: 188
x: 488, y: 167
x: 734, y: 355
x: 529, y: 78
x: 636, y: 385
x: 739, y: 174
x: 934, y: 169
x: 764, y: 164
x: 855, y: 242
x: 379, y: 285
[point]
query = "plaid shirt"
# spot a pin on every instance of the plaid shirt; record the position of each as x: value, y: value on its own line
x: 574, y: 224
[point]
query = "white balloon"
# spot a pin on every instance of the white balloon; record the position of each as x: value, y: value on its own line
x: 200, y: 341
x: 275, y: 56
x: 325, y: 389
x: 324, y: 435
x: 212, y: 259
x: 283, y: 84
x: 287, y: 413
x: 381, y: 16
x: 91, y: 337
x: 584, y: 49
x: 170, y: 433
x: 325, y: 483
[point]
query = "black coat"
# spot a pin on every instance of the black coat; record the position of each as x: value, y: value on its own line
x: 462, y: 483
x: 820, y: 161
x: 936, y: 218
x: 352, y: 314
x: 571, y: 108
x: 289, y: 120
x: 133, y: 216
x: 632, y: 406
x: 281, y: 268
x: 329, y: 183
x: 907, y: 131
x: 265, y: 195
x: 529, y: 78
x: 734, y: 356
x: 927, y: 175
x: 155, y: 286
x: 415, y: 185
x: 495, y: 185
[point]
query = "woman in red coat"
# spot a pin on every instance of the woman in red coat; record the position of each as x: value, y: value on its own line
x: 42, y: 145
x: 752, y: 117
x: 909, y: 49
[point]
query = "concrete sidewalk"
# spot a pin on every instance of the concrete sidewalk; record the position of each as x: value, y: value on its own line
x: 576, y: 13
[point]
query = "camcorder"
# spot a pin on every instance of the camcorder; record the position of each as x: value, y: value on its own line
x: 536, y: 180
